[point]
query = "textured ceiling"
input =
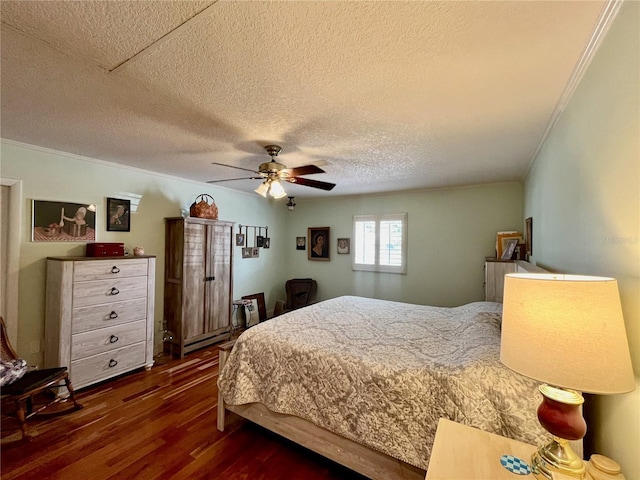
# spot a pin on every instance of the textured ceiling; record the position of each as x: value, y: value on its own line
x: 384, y: 96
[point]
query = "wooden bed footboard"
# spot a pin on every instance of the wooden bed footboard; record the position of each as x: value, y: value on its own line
x: 357, y: 457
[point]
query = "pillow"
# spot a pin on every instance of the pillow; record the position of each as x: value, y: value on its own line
x: 11, y: 370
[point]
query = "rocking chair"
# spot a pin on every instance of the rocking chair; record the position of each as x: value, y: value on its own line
x: 21, y: 392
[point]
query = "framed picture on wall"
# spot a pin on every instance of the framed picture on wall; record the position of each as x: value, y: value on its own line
x: 118, y: 211
x: 318, y: 243
x: 344, y: 245
x: 62, y: 222
x: 529, y: 235
x: 301, y: 243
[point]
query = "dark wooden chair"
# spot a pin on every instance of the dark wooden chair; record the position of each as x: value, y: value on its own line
x: 32, y: 393
x: 300, y: 293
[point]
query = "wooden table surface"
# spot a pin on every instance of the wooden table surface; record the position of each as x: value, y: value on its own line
x: 461, y: 452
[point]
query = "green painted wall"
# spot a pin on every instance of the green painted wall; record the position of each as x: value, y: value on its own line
x: 56, y: 176
x: 450, y: 233
x: 583, y: 193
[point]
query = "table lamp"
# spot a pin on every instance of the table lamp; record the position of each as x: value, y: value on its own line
x: 568, y: 332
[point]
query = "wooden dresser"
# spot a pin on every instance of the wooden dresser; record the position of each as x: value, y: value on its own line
x: 198, y: 280
x: 99, y: 316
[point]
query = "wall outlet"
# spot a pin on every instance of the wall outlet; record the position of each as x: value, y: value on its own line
x: 35, y: 347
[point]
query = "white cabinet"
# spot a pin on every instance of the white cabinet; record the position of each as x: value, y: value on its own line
x: 494, y: 272
x: 99, y: 316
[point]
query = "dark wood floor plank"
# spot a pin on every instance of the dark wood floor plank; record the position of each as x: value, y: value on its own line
x: 157, y: 424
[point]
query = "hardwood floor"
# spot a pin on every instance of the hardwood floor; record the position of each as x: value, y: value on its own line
x: 156, y: 424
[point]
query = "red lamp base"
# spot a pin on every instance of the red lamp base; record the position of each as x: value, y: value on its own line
x: 559, y: 413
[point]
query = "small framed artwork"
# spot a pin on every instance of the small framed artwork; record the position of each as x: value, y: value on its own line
x: 251, y: 314
x: 246, y: 252
x: 118, y: 219
x: 344, y: 245
x: 266, y: 243
x: 529, y: 235
x: 259, y: 241
x: 301, y: 243
x: 62, y: 222
x: 318, y: 243
x: 239, y: 239
x: 255, y: 252
x: 501, y: 241
x: 509, y: 248
x: 262, y: 306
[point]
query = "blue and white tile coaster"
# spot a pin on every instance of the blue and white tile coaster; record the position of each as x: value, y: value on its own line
x: 515, y: 465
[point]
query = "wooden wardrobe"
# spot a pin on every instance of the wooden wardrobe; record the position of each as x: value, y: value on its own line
x: 198, y: 282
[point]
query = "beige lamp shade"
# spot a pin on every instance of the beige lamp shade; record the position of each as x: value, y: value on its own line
x: 567, y: 331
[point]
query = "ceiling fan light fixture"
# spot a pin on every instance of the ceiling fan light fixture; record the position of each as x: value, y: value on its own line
x: 273, y: 173
x: 276, y: 190
x: 263, y: 189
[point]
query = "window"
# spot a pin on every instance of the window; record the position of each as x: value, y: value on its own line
x: 380, y: 243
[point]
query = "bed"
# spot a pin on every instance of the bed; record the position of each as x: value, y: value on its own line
x: 364, y: 381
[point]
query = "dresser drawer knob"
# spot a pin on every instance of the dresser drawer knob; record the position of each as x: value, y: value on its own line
x: 114, y: 291
x: 113, y: 339
x: 115, y: 269
x: 113, y: 315
x: 113, y: 363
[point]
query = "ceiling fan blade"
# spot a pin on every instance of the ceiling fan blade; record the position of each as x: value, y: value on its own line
x: 305, y: 170
x: 311, y: 183
x: 232, y: 179
x: 233, y: 166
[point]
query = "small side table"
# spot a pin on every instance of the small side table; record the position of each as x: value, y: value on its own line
x: 465, y: 452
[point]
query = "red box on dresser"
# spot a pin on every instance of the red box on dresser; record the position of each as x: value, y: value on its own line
x: 105, y: 249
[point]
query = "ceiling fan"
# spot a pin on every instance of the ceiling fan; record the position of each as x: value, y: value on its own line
x: 273, y: 173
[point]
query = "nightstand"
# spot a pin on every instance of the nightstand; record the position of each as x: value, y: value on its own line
x: 465, y: 452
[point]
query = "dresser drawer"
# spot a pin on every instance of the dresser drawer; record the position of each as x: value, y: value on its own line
x: 107, y: 339
x: 108, y: 291
x: 112, y: 268
x: 106, y: 365
x: 108, y: 315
